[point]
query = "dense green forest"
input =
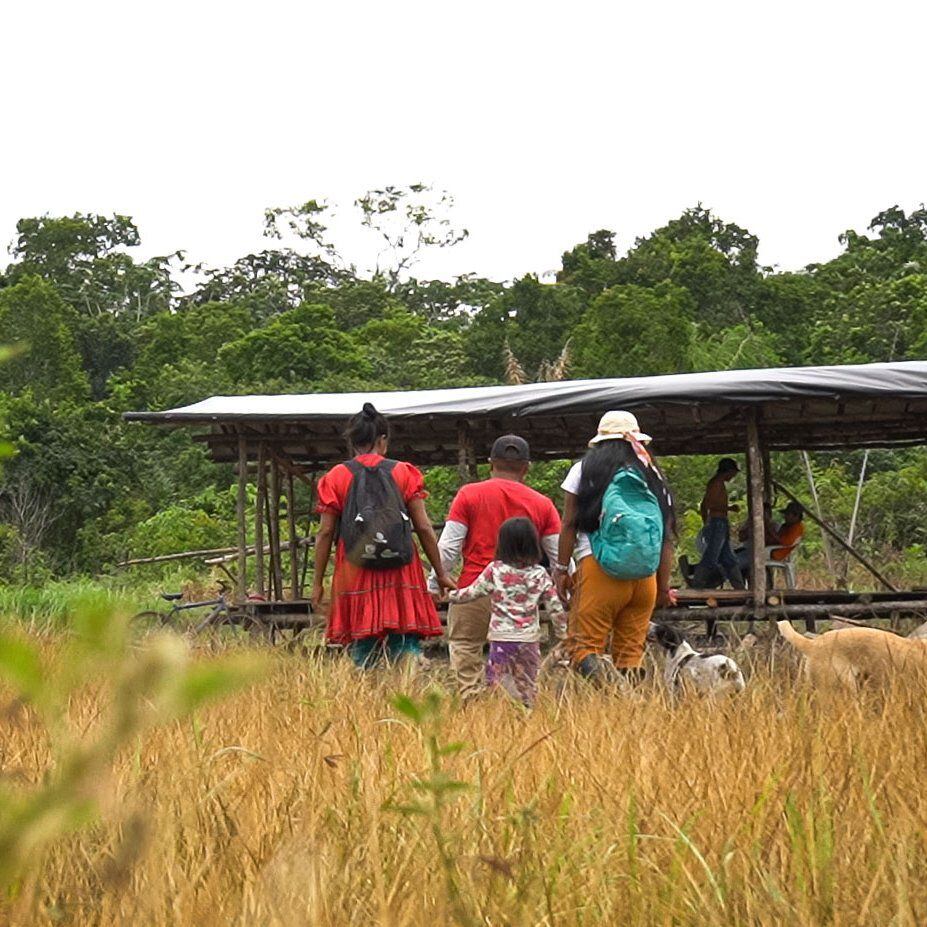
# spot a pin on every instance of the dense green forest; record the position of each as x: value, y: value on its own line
x: 96, y: 331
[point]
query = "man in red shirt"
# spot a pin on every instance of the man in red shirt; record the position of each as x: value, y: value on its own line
x: 470, y: 532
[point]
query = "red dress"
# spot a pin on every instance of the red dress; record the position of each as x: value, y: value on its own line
x: 373, y: 603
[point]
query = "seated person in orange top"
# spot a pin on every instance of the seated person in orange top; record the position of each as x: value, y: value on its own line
x: 791, y: 531
x: 744, y: 553
x: 782, y: 538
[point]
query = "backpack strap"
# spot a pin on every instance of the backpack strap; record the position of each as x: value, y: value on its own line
x: 355, y: 466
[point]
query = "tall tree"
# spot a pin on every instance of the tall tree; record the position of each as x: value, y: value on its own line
x: 82, y: 255
x: 295, y: 351
x: 592, y: 266
x: 715, y: 261
x: 35, y: 319
x: 534, y: 318
x: 635, y: 331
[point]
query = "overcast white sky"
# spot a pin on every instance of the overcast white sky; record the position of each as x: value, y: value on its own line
x: 545, y: 120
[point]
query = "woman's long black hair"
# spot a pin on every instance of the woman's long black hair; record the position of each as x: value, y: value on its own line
x: 365, y: 427
x: 600, y: 464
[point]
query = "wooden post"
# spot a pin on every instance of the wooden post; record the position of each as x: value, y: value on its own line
x: 259, y: 521
x: 758, y: 533
x: 464, y: 453
x: 305, y: 568
x: 767, y: 476
x: 271, y: 553
x: 274, y: 525
x: 241, y: 581
x: 291, y: 526
x: 472, y: 466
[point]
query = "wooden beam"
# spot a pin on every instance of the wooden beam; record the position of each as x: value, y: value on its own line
x: 787, y: 611
x: 273, y: 498
x: 181, y: 555
x: 840, y: 540
x: 291, y: 526
x: 305, y: 566
x: 767, y: 474
x: 464, y: 452
x: 303, y: 543
x: 757, y: 512
x: 241, y: 583
x: 259, y: 520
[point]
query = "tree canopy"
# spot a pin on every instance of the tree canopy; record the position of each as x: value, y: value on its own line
x: 96, y: 331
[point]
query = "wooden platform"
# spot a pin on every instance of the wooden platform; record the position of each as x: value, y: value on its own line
x: 293, y: 615
x: 737, y: 605
x: 695, y: 597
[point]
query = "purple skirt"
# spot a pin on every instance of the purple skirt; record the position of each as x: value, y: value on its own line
x: 514, y: 665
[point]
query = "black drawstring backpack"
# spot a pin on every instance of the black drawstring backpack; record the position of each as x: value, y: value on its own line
x: 375, y: 525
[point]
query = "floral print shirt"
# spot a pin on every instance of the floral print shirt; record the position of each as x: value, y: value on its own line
x: 516, y: 594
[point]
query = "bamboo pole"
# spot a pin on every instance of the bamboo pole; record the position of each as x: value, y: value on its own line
x: 301, y: 543
x: 859, y: 493
x: 825, y: 543
x: 274, y: 522
x: 259, y: 521
x: 841, y: 541
x: 851, y: 534
x: 757, y: 512
x: 241, y: 584
x: 182, y: 555
x: 291, y: 527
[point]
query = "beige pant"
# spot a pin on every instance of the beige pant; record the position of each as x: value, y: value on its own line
x: 467, y: 628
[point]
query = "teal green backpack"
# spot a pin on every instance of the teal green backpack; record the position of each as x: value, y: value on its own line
x: 629, y: 539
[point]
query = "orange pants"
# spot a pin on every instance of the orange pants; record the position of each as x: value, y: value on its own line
x: 603, y: 606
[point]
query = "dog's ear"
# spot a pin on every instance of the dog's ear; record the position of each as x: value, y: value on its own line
x: 727, y: 671
x: 667, y: 636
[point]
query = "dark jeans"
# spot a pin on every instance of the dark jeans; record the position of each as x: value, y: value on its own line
x: 718, y: 556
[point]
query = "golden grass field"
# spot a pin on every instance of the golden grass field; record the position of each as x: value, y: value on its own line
x: 288, y: 803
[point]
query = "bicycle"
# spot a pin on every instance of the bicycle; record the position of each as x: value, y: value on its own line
x: 219, y: 615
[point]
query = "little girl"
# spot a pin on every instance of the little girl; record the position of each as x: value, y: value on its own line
x: 516, y: 585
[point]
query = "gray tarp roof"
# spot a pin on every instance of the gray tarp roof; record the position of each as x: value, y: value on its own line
x: 800, y: 407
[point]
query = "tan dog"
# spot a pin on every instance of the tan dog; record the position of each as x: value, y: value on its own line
x: 850, y: 657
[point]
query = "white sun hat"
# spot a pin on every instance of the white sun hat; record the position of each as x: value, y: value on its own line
x: 619, y: 424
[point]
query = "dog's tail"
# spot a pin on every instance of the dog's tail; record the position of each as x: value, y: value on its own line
x: 802, y: 644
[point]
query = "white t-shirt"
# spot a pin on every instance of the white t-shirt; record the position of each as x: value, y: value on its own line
x: 571, y: 484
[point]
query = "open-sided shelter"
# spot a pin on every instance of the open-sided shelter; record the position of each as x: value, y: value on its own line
x: 276, y: 439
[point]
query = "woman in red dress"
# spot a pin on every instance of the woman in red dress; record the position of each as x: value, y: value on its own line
x: 376, y: 611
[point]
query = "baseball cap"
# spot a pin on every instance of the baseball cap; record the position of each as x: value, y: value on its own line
x: 728, y: 465
x: 510, y: 447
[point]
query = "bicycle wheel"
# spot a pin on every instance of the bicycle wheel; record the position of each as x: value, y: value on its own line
x: 215, y: 619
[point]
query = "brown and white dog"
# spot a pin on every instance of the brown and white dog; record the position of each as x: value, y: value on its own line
x: 851, y: 657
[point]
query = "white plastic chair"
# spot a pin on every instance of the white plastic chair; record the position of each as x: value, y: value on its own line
x: 787, y: 566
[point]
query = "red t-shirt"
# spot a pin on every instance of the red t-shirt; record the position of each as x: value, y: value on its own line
x: 482, y: 507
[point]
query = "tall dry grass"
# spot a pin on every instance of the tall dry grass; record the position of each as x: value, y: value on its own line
x: 296, y: 803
